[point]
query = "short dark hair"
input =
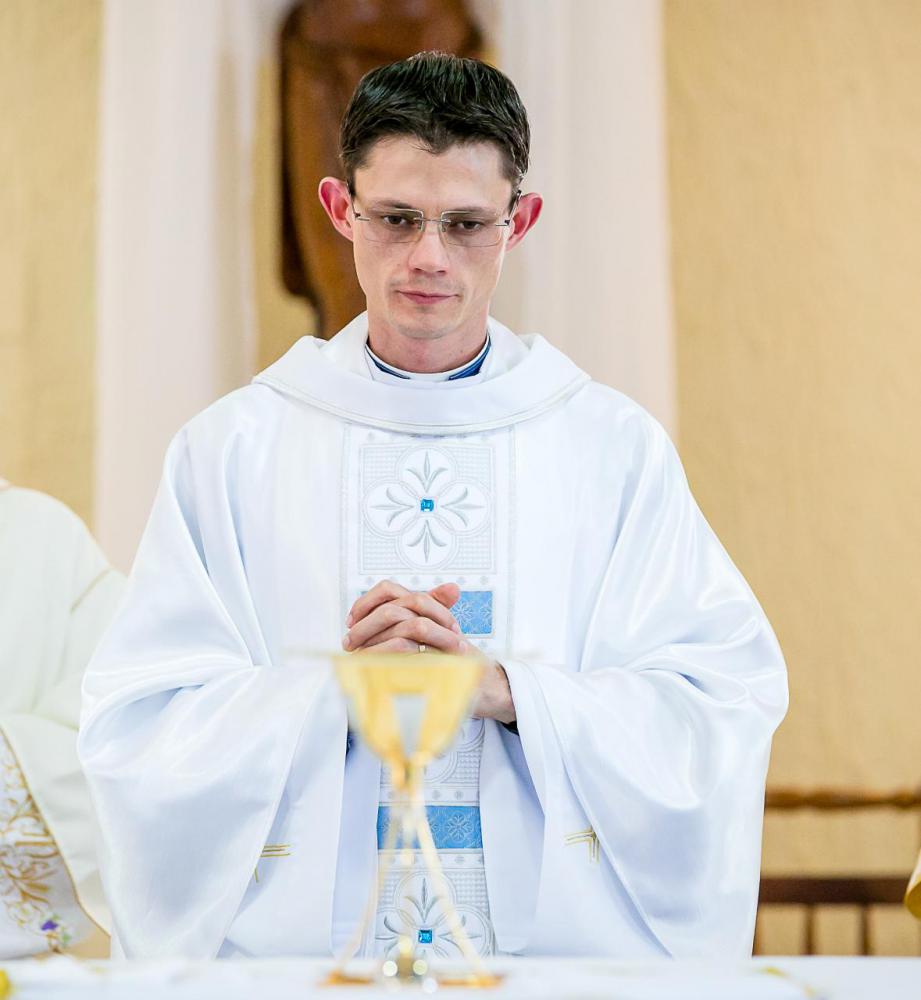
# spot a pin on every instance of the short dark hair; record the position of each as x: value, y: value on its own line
x: 441, y: 99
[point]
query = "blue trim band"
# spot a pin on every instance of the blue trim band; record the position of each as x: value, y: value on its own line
x: 473, y: 611
x: 472, y: 369
x: 383, y: 367
x: 454, y: 828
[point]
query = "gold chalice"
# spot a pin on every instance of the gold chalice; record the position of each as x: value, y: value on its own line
x: 408, y: 708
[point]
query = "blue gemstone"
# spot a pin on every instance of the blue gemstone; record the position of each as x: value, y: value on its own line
x: 426, y: 504
x: 425, y: 937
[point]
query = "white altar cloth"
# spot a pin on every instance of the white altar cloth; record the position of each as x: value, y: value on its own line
x: 820, y: 978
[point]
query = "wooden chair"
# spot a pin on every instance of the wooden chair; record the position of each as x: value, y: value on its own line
x: 845, y: 890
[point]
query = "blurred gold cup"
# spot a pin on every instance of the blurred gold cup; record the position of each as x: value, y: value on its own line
x: 408, y: 708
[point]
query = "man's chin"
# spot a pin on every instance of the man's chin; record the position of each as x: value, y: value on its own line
x: 424, y: 327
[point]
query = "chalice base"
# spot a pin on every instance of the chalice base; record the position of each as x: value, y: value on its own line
x: 442, y: 978
x: 339, y: 978
x: 471, y: 980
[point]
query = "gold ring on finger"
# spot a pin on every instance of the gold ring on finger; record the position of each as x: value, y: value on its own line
x: 422, y: 647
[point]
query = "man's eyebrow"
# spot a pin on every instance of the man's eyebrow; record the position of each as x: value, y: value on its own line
x: 392, y: 203
x: 474, y: 210
x: 380, y: 204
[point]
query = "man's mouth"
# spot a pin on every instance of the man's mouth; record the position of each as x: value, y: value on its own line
x: 423, y: 298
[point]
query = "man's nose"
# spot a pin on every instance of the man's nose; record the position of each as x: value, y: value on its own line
x: 429, y: 252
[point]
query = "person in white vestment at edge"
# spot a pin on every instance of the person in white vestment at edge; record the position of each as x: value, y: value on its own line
x: 429, y: 480
x: 57, y: 595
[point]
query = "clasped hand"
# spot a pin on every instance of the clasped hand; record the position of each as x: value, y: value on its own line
x: 390, y: 618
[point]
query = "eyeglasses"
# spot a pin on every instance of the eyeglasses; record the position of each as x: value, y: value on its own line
x: 460, y: 229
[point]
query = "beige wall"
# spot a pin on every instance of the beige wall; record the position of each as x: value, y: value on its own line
x: 594, y: 280
x: 49, y: 62
x: 795, y: 184
x: 50, y: 57
x: 281, y: 318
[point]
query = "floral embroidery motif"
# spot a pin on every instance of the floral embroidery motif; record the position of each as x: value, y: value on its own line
x: 428, y: 508
x: 419, y: 913
x: 29, y: 859
x: 57, y: 935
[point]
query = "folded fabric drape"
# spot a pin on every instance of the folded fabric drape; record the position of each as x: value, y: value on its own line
x: 58, y: 594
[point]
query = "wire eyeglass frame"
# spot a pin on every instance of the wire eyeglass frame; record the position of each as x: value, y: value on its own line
x: 417, y: 221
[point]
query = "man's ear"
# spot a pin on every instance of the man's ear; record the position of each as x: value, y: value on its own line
x: 526, y: 215
x: 334, y: 197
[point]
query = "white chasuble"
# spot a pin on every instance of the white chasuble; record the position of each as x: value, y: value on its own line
x: 57, y: 594
x: 623, y: 818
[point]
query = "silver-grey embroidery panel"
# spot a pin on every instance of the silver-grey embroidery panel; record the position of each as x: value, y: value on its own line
x: 423, y: 511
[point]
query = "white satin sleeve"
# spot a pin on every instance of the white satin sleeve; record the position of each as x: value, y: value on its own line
x: 187, y: 730
x: 662, y: 731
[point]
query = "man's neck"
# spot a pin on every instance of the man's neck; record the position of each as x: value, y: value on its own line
x: 411, y: 354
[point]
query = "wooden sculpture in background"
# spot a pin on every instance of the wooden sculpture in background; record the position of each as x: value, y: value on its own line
x: 326, y: 47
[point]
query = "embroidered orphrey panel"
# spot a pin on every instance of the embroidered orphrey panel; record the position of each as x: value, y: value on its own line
x: 424, y: 511
x: 38, y: 909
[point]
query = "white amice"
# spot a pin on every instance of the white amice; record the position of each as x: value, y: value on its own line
x: 621, y: 819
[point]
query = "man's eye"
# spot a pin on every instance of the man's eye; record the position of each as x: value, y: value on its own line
x: 466, y: 225
x: 397, y: 221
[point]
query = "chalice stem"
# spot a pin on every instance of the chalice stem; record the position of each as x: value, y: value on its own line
x: 432, y: 862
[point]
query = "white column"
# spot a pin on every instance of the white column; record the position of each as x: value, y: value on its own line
x: 593, y: 276
x: 174, y: 297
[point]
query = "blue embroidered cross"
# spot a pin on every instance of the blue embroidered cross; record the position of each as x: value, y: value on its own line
x: 425, y: 504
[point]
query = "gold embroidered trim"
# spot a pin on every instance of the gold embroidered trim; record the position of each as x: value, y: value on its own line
x: 586, y: 837
x: 272, y: 851
x: 9, y: 764
x: 276, y: 851
x: 29, y: 857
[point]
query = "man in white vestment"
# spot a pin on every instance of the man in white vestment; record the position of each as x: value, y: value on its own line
x: 429, y: 480
x: 57, y: 594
